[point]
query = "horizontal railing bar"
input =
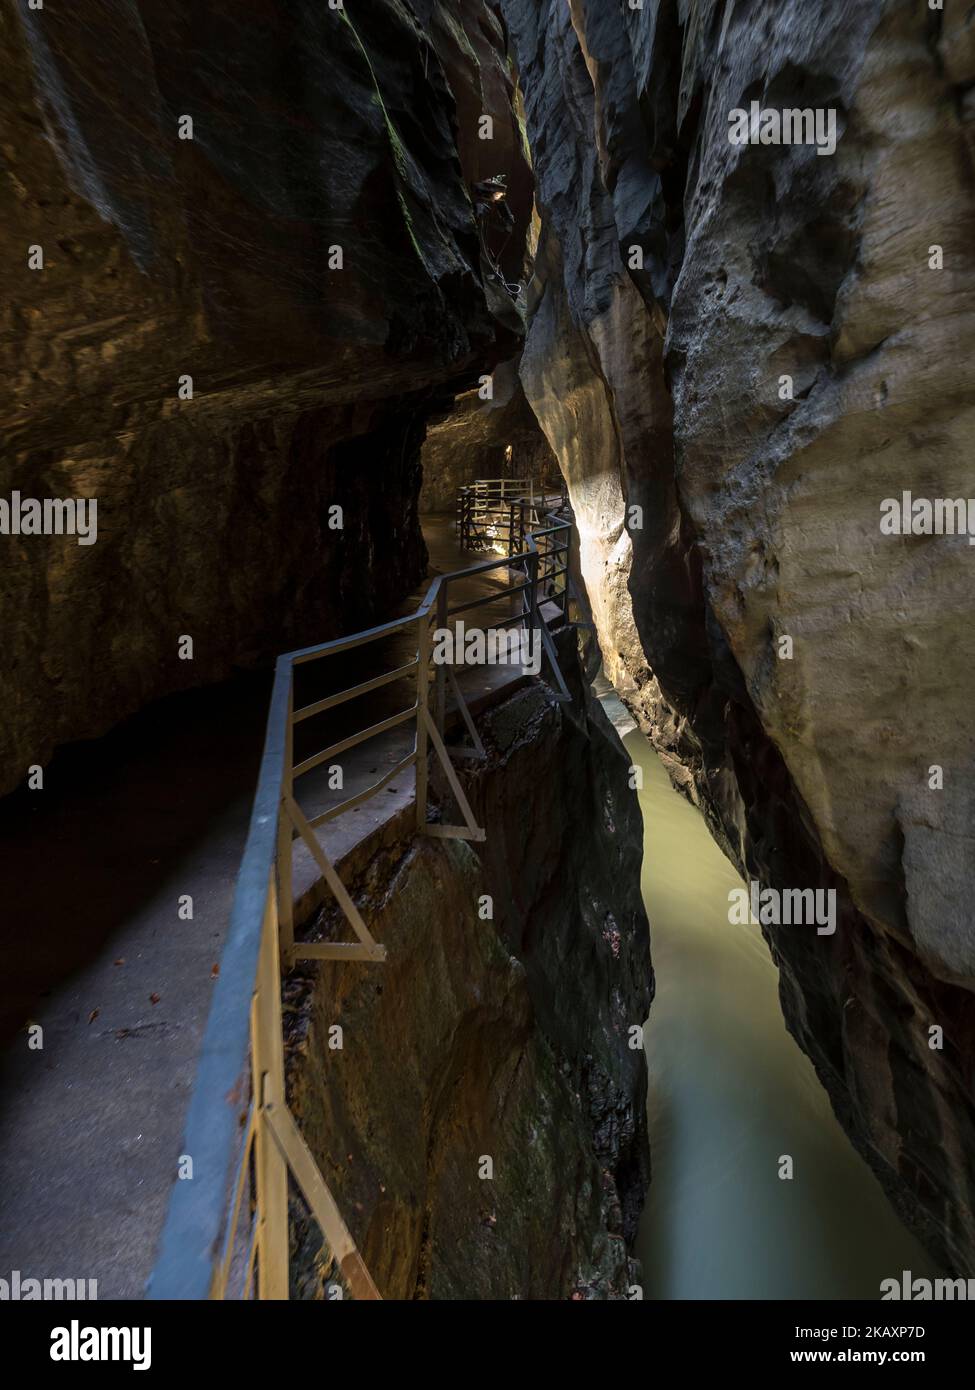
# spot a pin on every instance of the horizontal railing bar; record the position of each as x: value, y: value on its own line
x: 331, y: 701
x: 453, y: 832
x: 338, y: 950
x: 504, y: 562
x: 541, y: 486
x: 500, y: 508
x: 518, y: 617
x: 488, y: 598
x: 345, y: 644
x: 354, y: 740
x: 357, y: 800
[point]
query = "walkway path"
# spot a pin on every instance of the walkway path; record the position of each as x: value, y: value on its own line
x: 95, y: 950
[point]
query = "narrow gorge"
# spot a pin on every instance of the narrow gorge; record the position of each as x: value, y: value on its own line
x: 490, y: 416
x: 787, y: 358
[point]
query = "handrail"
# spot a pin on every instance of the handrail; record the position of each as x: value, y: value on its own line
x: 498, y: 513
x: 238, y: 1127
x: 191, y: 1236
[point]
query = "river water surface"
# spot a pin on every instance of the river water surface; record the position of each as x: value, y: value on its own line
x: 730, y: 1092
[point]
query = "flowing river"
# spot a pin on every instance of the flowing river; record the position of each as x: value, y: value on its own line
x: 730, y: 1092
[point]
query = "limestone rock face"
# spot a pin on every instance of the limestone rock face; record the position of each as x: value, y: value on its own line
x: 310, y: 258
x: 752, y: 344
x: 503, y: 1037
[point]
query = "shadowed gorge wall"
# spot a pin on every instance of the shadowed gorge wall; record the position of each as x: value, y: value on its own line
x: 314, y: 132
x: 662, y: 388
x: 505, y: 1037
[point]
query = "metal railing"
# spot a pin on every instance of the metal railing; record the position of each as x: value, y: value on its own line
x: 489, y: 511
x: 226, y: 1233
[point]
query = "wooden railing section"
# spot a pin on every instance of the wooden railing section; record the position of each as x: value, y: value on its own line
x: 226, y: 1232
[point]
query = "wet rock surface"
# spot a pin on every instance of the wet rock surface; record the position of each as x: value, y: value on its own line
x: 662, y: 387
x: 503, y: 1037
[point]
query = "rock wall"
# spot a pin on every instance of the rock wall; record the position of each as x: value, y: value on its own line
x: 504, y: 1037
x: 752, y: 343
x: 318, y: 136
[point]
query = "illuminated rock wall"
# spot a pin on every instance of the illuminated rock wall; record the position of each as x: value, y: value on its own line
x: 738, y: 352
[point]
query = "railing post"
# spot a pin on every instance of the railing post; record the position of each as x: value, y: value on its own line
x: 285, y: 834
x: 532, y: 592
x: 441, y: 677
x: 422, y: 701
x: 565, y: 577
x: 267, y: 1051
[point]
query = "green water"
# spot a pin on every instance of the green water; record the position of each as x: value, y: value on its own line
x: 730, y: 1092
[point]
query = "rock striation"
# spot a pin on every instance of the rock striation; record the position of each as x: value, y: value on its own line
x: 738, y: 351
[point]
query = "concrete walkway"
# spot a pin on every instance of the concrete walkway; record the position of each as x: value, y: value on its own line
x: 95, y: 950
